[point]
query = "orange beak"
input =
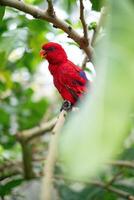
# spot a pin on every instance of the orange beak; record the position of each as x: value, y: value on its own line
x: 43, y: 53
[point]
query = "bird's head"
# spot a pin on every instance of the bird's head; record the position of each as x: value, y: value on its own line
x: 53, y: 52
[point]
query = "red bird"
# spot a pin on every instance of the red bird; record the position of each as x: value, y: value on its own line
x: 69, y: 79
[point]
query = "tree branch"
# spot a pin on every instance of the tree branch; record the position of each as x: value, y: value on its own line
x: 3, y: 177
x: 114, y: 178
x: 40, y: 14
x: 27, y: 160
x: 37, y: 131
x: 95, y: 33
x: 100, y: 184
x: 122, y: 163
x: 109, y: 188
x: 50, y: 9
x: 24, y: 137
x: 83, y: 22
x: 85, y: 60
x: 47, y: 186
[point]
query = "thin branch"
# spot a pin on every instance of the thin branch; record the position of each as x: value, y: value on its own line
x: 3, y: 177
x: 84, y: 25
x: 109, y: 188
x: 37, y: 131
x: 40, y: 14
x: 100, y: 184
x: 115, y: 178
x: 47, y: 186
x: 85, y: 32
x: 122, y: 163
x: 85, y: 60
x: 50, y: 9
x: 95, y: 34
x: 38, y: 159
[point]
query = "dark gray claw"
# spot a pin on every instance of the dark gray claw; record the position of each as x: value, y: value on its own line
x: 67, y: 106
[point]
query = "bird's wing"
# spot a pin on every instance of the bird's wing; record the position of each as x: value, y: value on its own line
x: 74, y: 79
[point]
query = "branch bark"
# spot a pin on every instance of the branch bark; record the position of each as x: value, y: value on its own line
x: 122, y: 163
x: 110, y: 188
x: 50, y: 9
x: 3, y: 177
x: 47, y: 186
x: 27, y: 160
x: 95, y: 33
x: 83, y: 22
x: 85, y: 60
x: 24, y: 138
x: 37, y: 131
x: 41, y: 14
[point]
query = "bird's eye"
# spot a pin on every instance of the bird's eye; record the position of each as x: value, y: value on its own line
x: 50, y: 49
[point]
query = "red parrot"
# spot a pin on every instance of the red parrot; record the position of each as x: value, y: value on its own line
x: 69, y: 79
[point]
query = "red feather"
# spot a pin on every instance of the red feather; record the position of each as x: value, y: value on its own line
x: 69, y: 79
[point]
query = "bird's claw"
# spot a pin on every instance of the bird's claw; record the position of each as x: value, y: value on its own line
x: 67, y: 106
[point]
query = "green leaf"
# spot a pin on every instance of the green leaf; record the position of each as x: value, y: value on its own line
x: 92, y: 25
x: 97, y: 4
x: 128, y: 154
x: 5, y: 80
x: 4, y: 117
x: 7, y: 188
x: 96, y: 133
x: 2, y: 12
x: 68, y: 21
x: 33, y: 1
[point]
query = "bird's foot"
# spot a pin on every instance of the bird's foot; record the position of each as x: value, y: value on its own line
x: 67, y: 106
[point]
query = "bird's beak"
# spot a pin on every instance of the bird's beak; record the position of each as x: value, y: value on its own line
x: 43, y: 53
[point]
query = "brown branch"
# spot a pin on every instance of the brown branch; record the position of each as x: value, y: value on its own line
x: 109, y: 188
x: 40, y: 14
x: 122, y: 163
x: 95, y: 33
x: 50, y: 9
x: 27, y: 160
x: 83, y: 22
x: 47, y: 186
x: 114, y: 178
x: 85, y: 60
x: 9, y: 175
x: 24, y: 137
x: 37, y: 131
x: 101, y: 184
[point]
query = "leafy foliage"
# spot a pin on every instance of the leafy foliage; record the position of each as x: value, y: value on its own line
x: 7, y: 188
x: 2, y: 11
x: 97, y: 4
x: 92, y: 25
